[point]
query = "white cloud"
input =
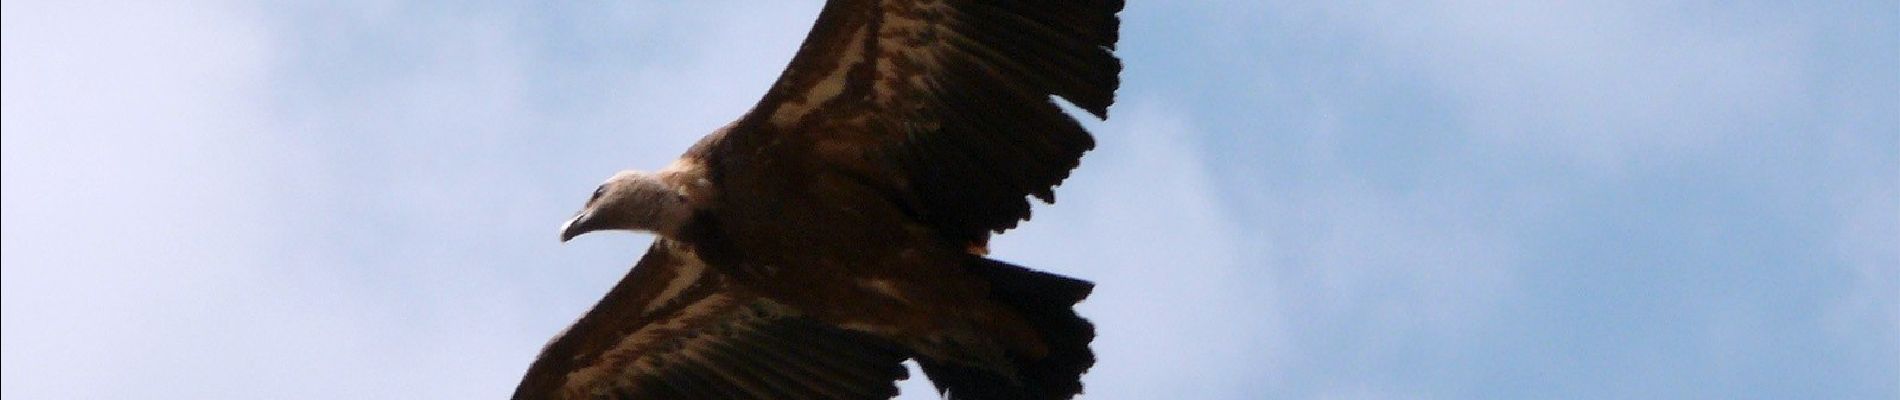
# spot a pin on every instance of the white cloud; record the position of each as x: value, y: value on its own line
x: 132, y: 206
x: 173, y: 225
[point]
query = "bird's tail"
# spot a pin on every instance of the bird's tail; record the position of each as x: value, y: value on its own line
x: 1047, y: 303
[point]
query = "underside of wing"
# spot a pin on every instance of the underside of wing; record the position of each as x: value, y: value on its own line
x: 674, y: 330
x: 946, y: 104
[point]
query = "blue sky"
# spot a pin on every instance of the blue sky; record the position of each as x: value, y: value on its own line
x: 1316, y: 200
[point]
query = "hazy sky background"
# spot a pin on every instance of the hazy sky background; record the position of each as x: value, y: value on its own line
x: 1315, y: 200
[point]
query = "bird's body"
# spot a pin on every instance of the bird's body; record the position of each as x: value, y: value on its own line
x: 838, y: 227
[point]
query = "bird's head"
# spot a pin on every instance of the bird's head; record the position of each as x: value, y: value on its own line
x: 633, y: 201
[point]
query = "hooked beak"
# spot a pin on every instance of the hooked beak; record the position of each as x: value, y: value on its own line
x: 576, y: 226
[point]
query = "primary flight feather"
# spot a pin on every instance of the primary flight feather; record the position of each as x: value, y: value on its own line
x: 839, y: 227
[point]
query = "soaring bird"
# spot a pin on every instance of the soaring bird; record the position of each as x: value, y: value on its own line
x: 840, y: 227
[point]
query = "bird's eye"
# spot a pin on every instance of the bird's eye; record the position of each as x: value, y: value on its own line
x: 597, y: 192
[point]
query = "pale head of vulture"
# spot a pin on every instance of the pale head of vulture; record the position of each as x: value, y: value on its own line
x: 632, y: 201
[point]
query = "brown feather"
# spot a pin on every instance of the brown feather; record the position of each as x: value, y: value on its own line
x: 838, y: 227
x: 976, y: 75
x: 705, y: 344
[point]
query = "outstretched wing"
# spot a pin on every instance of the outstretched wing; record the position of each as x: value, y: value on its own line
x: 946, y: 104
x: 674, y: 330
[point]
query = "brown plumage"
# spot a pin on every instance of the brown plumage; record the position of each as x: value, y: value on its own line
x: 839, y: 227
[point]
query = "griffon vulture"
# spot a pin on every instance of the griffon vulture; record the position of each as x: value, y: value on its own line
x: 839, y: 227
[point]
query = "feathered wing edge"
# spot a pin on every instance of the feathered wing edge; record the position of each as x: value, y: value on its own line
x: 947, y: 103
x: 672, y: 330
x: 1047, y: 302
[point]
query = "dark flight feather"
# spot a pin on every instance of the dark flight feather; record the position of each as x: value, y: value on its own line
x: 838, y: 227
x: 714, y: 342
x: 955, y: 98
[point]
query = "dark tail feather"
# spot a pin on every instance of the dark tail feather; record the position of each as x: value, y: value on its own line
x: 1047, y: 301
